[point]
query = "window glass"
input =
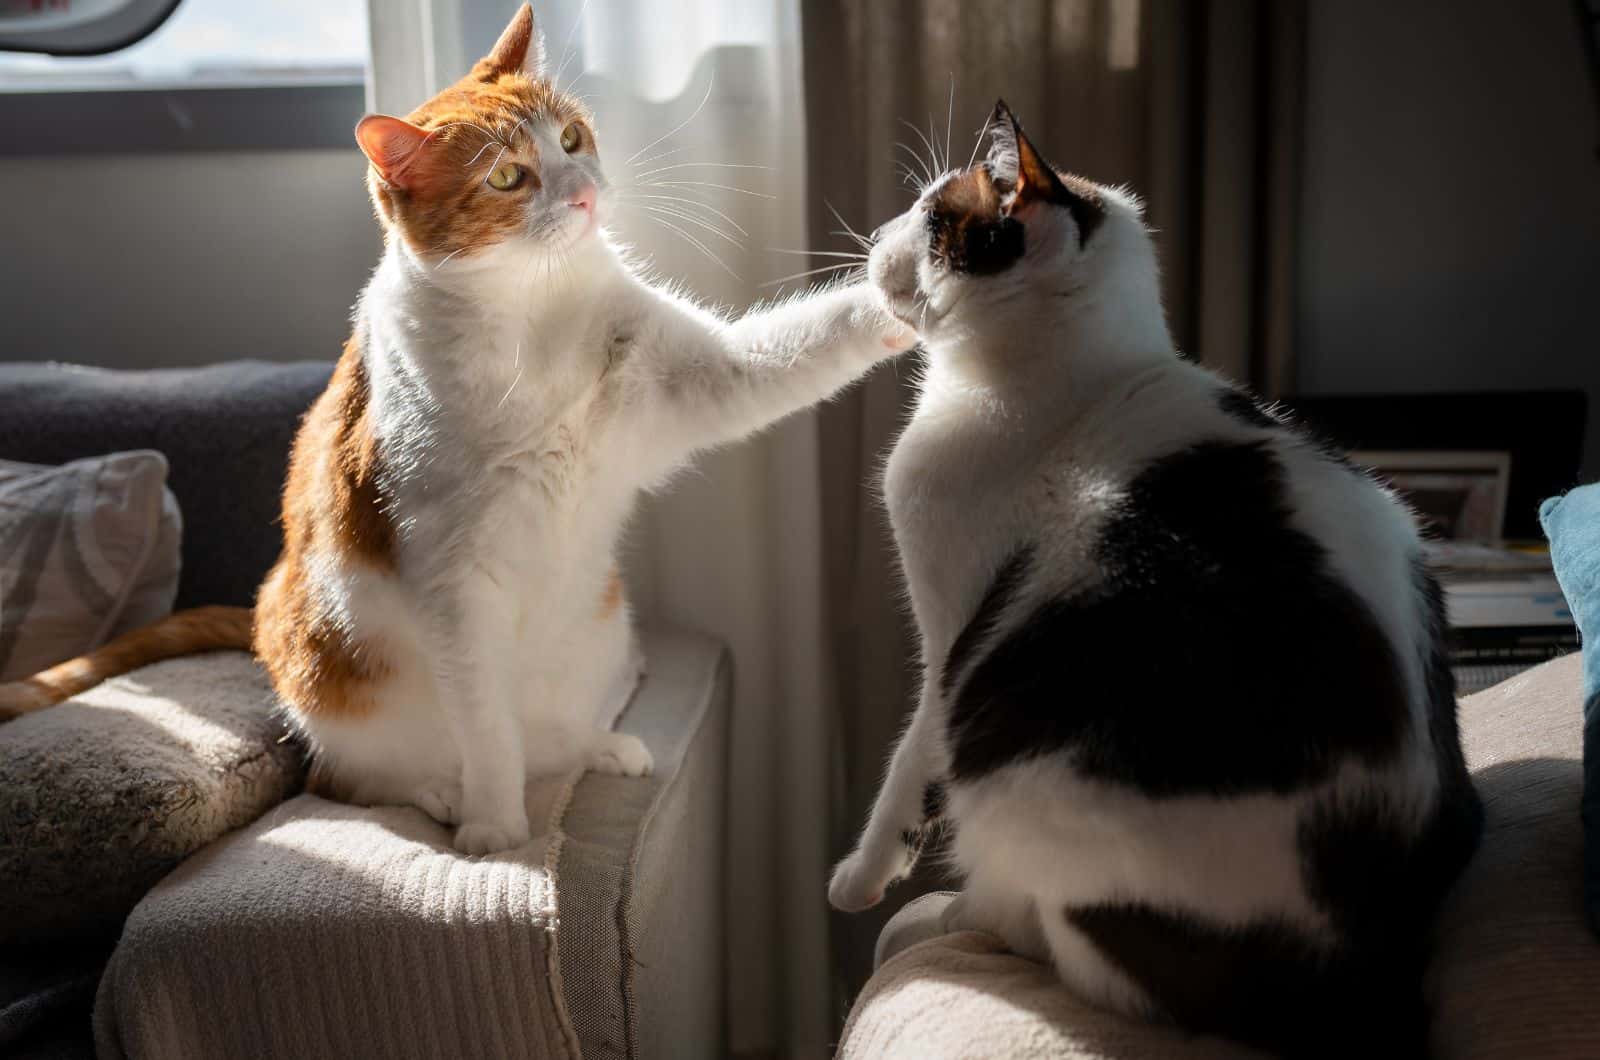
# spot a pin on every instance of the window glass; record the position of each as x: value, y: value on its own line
x: 216, y: 42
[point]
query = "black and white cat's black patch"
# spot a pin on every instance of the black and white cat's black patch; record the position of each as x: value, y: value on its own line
x: 1268, y: 671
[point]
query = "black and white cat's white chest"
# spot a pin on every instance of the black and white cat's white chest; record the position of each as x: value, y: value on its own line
x: 961, y: 484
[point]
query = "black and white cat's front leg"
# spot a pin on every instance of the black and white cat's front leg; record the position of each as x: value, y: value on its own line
x: 910, y: 803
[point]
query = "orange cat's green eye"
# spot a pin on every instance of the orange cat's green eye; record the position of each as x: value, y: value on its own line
x: 572, y: 137
x: 505, y: 177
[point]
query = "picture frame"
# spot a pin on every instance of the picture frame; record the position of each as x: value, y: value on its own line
x: 1458, y: 495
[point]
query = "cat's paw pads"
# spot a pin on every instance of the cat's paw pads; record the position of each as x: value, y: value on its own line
x: 621, y: 755
x: 485, y: 838
x: 440, y: 800
x: 900, y: 338
x: 855, y: 886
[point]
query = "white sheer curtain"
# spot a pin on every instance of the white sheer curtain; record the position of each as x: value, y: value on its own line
x: 735, y: 547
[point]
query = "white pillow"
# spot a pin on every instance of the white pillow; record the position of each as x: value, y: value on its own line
x: 88, y: 550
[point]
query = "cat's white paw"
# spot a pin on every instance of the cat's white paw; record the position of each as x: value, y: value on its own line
x: 900, y: 337
x: 857, y: 885
x: 621, y: 755
x: 439, y: 799
x: 486, y: 838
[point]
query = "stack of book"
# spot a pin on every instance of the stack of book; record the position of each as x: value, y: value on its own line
x: 1505, y: 610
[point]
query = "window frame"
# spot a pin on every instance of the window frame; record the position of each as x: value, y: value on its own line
x: 156, y: 119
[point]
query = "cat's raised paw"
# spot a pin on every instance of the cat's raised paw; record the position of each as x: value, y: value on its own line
x: 484, y: 838
x: 854, y: 888
x: 621, y: 755
x: 902, y: 338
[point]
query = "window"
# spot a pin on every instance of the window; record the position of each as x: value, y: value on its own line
x: 207, y: 43
x: 216, y: 75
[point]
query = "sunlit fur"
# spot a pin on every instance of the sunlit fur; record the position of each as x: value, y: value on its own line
x: 446, y: 618
x: 515, y: 383
x: 1048, y: 387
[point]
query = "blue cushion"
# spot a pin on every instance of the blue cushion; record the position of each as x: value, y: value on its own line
x: 1572, y: 523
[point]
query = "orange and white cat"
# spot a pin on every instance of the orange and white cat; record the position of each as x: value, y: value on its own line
x: 446, y: 617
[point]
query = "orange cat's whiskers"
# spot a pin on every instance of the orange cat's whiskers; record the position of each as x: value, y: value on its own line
x: 664, y: 154
x: 468, y: 125
x: 567, y: 54
x: 517, y: 364
x: 679, y: 127
x: 812, y: 272
x: 689, y: 218
x: 696, y: 244
x: 706, y: 184
x: 692, y: 165
x: 471, y: 162
x: 495, y: 164
x: 686, y: 203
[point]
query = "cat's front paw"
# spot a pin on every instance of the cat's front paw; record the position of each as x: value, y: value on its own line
x: 899, y: 337
x: 857, y: 885
x: 484, y: 837
x: 439, y: 799
x: 620, y: 755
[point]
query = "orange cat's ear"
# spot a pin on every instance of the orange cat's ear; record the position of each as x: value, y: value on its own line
x: 393, y: 146
x: 520, y: 49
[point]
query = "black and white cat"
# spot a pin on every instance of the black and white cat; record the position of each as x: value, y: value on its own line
x: 1185, y: 703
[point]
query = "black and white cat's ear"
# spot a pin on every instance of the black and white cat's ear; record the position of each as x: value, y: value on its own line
x: 1015, y: 161
x: 520, y: 49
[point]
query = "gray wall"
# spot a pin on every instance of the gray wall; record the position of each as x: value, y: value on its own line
x: 1451, y: 212
x: 184, y: 258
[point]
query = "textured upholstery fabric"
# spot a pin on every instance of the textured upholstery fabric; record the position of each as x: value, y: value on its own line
x: 88, y: 550
x: 103, y: 795
x: 1572, y: 523
x: 328, y: 930
x: 963, y: 996
x: 1514, y: 972
x: 225, y: 430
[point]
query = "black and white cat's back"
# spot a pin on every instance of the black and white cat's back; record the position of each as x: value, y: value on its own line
x: 1184, y: 686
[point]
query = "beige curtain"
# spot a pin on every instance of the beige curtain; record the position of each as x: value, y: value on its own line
x: 1192, y: 102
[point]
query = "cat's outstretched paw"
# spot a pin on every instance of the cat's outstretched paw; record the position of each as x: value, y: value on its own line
x: 620, y: 755
x: 900, y: 338
x: 857, y: 885
x: 482, y: 837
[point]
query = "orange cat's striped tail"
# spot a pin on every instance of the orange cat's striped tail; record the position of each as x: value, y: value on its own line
x: 183, y: 633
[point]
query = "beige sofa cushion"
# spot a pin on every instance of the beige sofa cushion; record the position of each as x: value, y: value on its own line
x: 1516, y: 972
x: 341, y: 931
x: 103, y: 795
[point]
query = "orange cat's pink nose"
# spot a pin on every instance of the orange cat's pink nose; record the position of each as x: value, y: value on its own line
x: 584, y: 200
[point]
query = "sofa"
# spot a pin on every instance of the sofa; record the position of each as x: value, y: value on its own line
x: 241, y: 917
x: 1515, y: 973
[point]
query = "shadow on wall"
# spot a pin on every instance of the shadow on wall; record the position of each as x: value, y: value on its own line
x: 159, y: 260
